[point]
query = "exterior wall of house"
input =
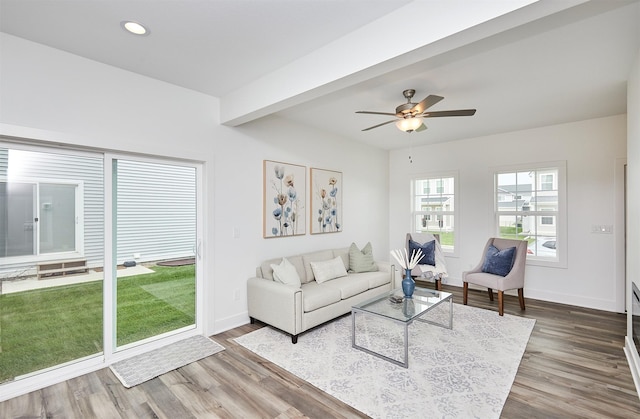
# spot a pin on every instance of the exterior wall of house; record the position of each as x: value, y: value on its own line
x: 592, y: 149
x: 143, y: 189
x: 87, y: 172
x: 140, y: 237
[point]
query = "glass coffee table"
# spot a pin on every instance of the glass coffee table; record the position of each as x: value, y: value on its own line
x: 404, y: 313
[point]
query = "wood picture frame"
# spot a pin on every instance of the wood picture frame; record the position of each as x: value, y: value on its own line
x: 326, y: 201
x: 284, y: 197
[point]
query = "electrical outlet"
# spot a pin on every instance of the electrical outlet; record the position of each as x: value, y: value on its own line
x: 236, y: 295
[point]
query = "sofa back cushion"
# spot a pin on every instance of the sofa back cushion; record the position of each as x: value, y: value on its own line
x: 344, y: 255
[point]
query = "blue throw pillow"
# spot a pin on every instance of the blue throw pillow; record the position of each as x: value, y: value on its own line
x: 428, y: 252
x: 499, y: 262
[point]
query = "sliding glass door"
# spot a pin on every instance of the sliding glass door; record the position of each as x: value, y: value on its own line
x: 70, y: 219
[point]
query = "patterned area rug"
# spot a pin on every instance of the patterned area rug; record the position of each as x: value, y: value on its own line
x: 466, y: 372
x: 144, y: 367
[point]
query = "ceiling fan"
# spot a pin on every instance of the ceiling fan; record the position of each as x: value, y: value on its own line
x: 409, y: 116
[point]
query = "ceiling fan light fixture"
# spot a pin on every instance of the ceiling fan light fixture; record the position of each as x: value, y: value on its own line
x: 409, y: 124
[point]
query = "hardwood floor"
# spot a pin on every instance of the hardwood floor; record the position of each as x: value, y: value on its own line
x: 574, y: 367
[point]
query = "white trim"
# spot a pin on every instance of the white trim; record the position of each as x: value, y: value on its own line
x: 619, y: 231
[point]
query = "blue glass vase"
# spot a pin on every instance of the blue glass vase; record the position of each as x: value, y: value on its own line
x: 408, y: 284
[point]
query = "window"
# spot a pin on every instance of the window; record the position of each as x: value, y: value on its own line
x: 546, y: 220
x: 530, y: 205
x: 434, y: 209
x: 546, y: 181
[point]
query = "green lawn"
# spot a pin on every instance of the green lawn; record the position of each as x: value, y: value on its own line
x: 47, y: 327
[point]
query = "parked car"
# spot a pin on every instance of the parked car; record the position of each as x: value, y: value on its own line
x: 543, y: 246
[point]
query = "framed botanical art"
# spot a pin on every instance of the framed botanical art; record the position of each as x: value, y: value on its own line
x: 326, y: 201
x: 284, y: 195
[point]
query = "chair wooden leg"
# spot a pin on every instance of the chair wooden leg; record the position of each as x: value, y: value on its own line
x: 501, y: 303
x: 490, y: 294
x: 521, y: 297
x: 439, y: 284
x: 465, y: 290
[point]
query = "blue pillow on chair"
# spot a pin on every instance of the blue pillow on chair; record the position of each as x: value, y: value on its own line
x: 428, y: 252
x: 499, y: 262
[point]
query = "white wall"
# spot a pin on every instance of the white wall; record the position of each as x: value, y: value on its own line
x: 365, y: 210
x: 593, y: 150
x: 59, y: 97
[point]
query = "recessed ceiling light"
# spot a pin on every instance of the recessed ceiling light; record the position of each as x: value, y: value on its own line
x: 134, y: 28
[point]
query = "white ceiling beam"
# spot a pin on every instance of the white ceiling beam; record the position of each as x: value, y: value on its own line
x: 415, y: 32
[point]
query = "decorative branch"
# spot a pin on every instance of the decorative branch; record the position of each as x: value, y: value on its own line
x: 403, y: 258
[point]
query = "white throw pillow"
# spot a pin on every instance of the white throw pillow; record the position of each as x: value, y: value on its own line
x: 286, y: 273
x: 328, y: 269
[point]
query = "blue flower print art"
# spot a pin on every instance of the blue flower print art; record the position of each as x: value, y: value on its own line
x: 283, y: 199
x: 326, y: 205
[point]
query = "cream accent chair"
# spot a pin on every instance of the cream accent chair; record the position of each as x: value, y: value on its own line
x: 439, y: 270
x: 513, y: 280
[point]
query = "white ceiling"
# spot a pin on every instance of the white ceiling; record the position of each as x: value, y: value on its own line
x: 318, y: 61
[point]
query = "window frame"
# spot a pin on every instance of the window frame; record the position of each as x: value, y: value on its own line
x: 560, y: 214
x: 433, y: 214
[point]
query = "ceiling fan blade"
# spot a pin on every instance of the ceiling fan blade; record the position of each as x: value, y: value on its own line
x: 377, y: 113
x: 422, y: 127
x: 459, y: 112
x: 379, y: 125
x: 428, y: 102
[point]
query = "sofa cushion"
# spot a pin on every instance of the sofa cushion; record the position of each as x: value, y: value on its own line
x: 428, y: 252
x: 327, y: 270
x: 315, y: 296
x: 349, y: 286
x: 361, y: 260
x: 267, y: 270
x: 286, y: 273
x: 307, y: 258
x: 499, y: 262
x: 373, y: 279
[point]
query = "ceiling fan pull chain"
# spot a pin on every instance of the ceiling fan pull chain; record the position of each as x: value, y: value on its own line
x: 410, y: 150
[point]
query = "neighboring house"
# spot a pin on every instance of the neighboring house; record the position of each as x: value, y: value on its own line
x: 536, y: 195
x: 436, y: 196
x: 52, y: 209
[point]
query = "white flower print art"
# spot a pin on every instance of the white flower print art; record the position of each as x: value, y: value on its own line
x: 284, y: 194
x: 326, y: 201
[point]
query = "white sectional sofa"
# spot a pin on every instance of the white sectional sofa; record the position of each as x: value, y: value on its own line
x: 317, y: 298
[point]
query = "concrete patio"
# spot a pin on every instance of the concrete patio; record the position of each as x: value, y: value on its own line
x: 32, y: 283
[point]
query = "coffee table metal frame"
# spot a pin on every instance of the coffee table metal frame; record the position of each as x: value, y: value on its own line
x: 422, y: 302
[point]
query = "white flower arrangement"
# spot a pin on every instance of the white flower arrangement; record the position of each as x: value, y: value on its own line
x: 402, y: 257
